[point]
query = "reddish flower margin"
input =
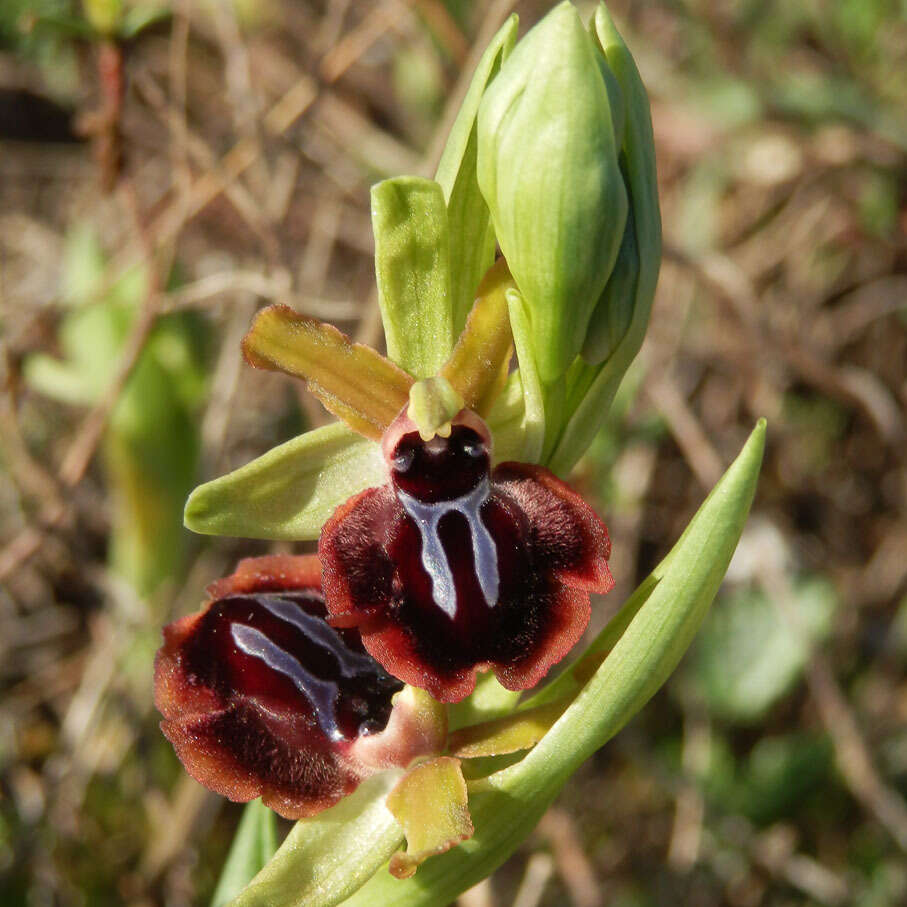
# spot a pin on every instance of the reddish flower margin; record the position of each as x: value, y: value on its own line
x: 452, y: 568
x: 261, y: 697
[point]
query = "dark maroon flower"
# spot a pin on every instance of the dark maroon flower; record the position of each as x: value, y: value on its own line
x: 262, y: 697
x: 453, y: 567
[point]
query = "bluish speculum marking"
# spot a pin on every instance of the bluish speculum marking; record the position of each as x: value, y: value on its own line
x: 427, y: 518
x: 277, y: 650
x: 322, y: 694
x: 350, y: 663
x: 439, y: 477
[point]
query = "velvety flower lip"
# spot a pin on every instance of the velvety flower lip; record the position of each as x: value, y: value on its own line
x: 453, y: 567
x: 262, y: 697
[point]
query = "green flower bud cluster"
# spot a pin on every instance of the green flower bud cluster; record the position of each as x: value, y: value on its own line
x: 565, y: 162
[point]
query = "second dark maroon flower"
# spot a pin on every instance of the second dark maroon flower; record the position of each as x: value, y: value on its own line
x: 262, y: 697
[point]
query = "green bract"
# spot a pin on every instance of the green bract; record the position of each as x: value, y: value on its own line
x: 548, y: 168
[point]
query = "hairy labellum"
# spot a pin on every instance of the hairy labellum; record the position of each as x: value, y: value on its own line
x: 453, y: 567
x: 262, y: 697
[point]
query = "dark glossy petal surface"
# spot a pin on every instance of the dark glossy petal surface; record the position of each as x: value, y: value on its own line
x: 448, y: 570
x: 262, y: 697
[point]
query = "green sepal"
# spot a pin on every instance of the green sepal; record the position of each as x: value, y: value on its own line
x: 328, y: 857
x: 472, y: 239
x: 430, y: 802
x: 290, y: 491
x: 507, y: 804
x: 599, y: 383
x: 412, y: 266
x: 253, y: 846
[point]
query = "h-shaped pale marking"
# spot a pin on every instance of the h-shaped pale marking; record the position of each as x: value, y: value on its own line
x: 322, y: 694
x: 351, y: 664
x: 434, y: 557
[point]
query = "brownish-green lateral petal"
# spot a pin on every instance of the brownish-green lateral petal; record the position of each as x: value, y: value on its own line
x: 478, y: 366
x: 354, y: 382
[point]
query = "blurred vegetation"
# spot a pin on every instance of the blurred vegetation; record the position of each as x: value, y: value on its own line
x: 169, y: 169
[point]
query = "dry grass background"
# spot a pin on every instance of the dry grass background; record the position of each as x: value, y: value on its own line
x: 248, y: 143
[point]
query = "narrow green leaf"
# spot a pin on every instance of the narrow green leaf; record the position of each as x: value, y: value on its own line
x: 252, y: 847
x: 291, y: 490
x: 507, y: 805
x: 412, y: 265
x: 326, y: 858
x: 472, y: 238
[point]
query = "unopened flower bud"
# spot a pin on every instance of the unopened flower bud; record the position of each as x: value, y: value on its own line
x: 548, y: 169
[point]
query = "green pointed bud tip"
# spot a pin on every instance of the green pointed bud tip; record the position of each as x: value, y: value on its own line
x: 432, y: 404
x: 549, y: 173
